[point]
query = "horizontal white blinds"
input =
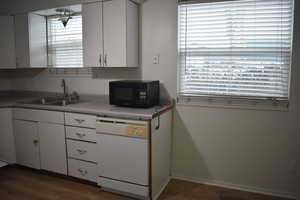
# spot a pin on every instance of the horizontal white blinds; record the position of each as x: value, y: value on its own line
x: 65, y: 43
x: 235, y: 48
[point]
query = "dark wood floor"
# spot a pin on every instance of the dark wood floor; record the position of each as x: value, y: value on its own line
x: 18, y: 183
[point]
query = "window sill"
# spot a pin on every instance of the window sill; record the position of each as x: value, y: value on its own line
x: 233, y: 103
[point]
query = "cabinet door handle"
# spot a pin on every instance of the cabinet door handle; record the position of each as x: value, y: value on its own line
x: 80, y: 135
x: 79, y: 120
x: 100, y: 59
x: 105, y: 60
x: 35, y: 142
x: 83, y: 172
x: 81, y: 152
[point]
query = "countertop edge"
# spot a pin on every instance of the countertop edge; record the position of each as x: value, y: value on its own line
x: 163, y: 110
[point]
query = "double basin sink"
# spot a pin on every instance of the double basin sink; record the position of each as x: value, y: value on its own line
x: 52, y: 101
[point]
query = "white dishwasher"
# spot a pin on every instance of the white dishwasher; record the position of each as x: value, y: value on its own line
x: 123, y: 156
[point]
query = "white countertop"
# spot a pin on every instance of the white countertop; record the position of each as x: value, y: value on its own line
x: 95, y: 105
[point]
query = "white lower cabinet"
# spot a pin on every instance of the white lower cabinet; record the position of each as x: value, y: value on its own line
x: 81, y: 146
x: 82, y: 150
x: 7, y: 144
x: 27, y: 143
x: 52, y: 147
x: 40, y: 139
x: 130, y: 157
x: 81, y: 134
x: 82, y: 170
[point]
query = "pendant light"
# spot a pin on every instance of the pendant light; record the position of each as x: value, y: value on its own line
x: 65, y: 16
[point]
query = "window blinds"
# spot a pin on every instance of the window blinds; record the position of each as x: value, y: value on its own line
x: 65, y: 43
x: 235, y: 48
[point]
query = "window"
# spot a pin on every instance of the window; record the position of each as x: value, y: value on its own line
x: 235, y: 48
x: 65, y: 43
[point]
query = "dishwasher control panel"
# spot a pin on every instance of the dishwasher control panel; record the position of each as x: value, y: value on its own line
x: 128, y: 128
x: 137, y: 131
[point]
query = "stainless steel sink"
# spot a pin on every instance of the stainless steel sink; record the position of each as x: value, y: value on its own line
x: 52, y: 101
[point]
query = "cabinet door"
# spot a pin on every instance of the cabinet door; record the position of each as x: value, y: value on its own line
x: 22, y: 41
x: 27, y: 144
x: 52, y: 147
x: 7, y: 144
x: 37, y: 40
x: 92, y: 34
x: 114, y: 33
x: 7, y: 42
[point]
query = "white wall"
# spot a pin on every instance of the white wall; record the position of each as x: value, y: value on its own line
x: 254, y: 150
x: 234, y: 147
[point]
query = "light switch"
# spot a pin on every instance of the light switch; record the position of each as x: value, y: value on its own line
x: 156, y: 59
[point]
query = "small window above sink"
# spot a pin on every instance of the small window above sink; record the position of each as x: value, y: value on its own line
x: 64, y: 36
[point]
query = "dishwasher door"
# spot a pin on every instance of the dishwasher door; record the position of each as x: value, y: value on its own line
x: 123, y: 151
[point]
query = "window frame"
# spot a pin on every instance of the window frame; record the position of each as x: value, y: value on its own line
x: 232, y: 101
x: 48, y: 46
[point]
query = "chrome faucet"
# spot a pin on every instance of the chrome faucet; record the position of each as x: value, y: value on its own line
x: 64, y: 86
x: 67, y: 99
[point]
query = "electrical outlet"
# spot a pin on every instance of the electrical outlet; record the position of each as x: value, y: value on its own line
x: 156, y: 59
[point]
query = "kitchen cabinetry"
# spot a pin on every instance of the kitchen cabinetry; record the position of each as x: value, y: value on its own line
x: 27, y: 143
x: 134, y: 156
x: 7, y: 144
x: 52, y: 147
x: 131, y: 157
x: 161, y: 138
x: 110, y: 34
x: 81, y: 146
x: 7, y: 43
x: 31, y: 42
x: 40, y: 139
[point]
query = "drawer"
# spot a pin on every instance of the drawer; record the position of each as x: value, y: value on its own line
x: 38, y: 115
x: 83, y: 134
x: 83, y: 170
x: 80, y: 120
x: 82, y: 150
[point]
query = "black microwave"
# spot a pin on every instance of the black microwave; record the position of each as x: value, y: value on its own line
x: 134, y: 93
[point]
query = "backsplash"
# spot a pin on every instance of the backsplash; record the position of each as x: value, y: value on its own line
x: 94, y: 82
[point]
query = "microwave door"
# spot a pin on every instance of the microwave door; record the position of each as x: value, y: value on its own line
x: 124, y: 95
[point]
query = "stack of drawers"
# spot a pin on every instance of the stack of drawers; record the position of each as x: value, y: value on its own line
x: 81, y: 146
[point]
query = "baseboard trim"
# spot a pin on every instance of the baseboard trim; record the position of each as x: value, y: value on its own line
x: 2, y: 163
x: 162, y: 188
x: 238, y: 187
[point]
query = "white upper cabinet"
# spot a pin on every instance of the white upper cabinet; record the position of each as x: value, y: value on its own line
x: 31, y: 41
x: 110, y: 34
x: 7, y: 43
x: 92, y: 34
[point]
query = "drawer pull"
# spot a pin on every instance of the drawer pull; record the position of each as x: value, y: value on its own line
x: 79, y: 121
x: 81, y: 152
x: 35, y: 142
x: 80, y: 135
x: 82, y: 172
